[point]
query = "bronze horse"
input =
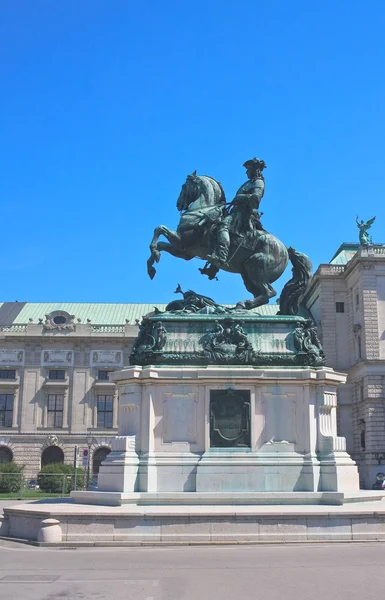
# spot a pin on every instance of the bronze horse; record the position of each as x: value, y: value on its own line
x: 260, y: 261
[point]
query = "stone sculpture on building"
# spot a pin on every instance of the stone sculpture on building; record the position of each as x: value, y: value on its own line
x: 363, y: 230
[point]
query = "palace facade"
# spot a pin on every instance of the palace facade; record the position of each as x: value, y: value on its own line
x: 55, y: 392
x: 347, y: 300
x: 55, y: 360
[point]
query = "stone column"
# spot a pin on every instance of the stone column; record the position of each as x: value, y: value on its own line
x: 148, y: 468
x: 328, y: 320
x: 15, y: 411
x: 115, y: 409
x: 65, y: 408
x: 368, y: 284
x: 45, y: 409
x: 94, y: 408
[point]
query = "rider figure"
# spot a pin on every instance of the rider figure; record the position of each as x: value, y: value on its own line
x: 244, y: 210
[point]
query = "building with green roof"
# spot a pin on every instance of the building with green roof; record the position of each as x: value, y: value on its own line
x: 55, y: 360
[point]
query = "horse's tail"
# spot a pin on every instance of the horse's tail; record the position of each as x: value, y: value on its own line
x: 294, y: 291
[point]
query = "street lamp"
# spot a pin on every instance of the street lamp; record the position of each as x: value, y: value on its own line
x: 90, y: 440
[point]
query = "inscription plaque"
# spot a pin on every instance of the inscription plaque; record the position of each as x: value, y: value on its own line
x: 229, y: 418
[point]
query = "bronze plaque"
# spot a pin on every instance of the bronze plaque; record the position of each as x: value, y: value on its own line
x: 229, y: 418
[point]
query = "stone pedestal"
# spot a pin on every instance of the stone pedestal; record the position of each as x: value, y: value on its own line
x: 225, y: 402
x: 221, y: 429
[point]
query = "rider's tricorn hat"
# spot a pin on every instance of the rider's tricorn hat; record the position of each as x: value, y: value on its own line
x: 255, y: 162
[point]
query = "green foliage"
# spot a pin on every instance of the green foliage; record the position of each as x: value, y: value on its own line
x: 11, y: 477
x: 58, y: 478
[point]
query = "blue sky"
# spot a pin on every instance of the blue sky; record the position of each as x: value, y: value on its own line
x: 107, y: 106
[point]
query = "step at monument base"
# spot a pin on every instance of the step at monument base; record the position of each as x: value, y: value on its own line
x: 223, y: 499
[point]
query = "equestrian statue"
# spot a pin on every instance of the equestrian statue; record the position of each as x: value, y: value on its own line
x: 230, y: 236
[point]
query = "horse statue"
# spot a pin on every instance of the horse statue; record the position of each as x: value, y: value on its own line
x: 258, y: 256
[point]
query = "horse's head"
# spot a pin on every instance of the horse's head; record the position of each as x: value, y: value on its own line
x: 196, y: 186
x: 189, y: 192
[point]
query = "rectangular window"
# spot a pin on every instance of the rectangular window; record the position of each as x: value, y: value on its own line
x: 55, y: 410
x: 103, y: 375
x: 357, y: 300
x: 361, y: 392
x: 7, y: 374
x: 105, y: 408
x: 6, y: 410
x: 359, y: 348
x: 58, y: 374
x: 340, y: 307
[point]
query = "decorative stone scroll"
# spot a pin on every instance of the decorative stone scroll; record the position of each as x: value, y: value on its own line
x: 107, y: 357
x: 57, y: 357
x: 11, y: 357
x: 52, y: 440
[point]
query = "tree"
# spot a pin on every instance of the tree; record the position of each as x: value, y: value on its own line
x: 58, y: 478
x: 11, y: 477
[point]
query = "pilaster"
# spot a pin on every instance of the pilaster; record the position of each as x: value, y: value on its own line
x: 368, y: 291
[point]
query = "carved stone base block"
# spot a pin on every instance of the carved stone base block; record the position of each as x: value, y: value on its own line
x: 119, y: 471
x: 221, y: 429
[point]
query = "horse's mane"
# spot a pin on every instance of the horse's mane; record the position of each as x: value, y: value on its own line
x: 214, y: 183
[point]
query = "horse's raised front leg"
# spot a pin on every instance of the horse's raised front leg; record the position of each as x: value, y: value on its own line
x: 173, y: 238
x: 175, y: 251
x: 166, y: 247
x: 169, y: 234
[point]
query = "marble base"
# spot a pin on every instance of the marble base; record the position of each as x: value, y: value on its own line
x: 168, y: 431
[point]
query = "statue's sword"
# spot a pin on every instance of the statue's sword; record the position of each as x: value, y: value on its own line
x: 240, y: 243
x: 236, y: 250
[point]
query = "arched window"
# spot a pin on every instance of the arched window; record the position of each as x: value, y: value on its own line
x: 99, y: 455
x: 6, y: 455
x: 52, y: 454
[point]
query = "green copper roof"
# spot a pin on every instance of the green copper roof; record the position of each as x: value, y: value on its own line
x: 344, y: 253
x: 98, y: 313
